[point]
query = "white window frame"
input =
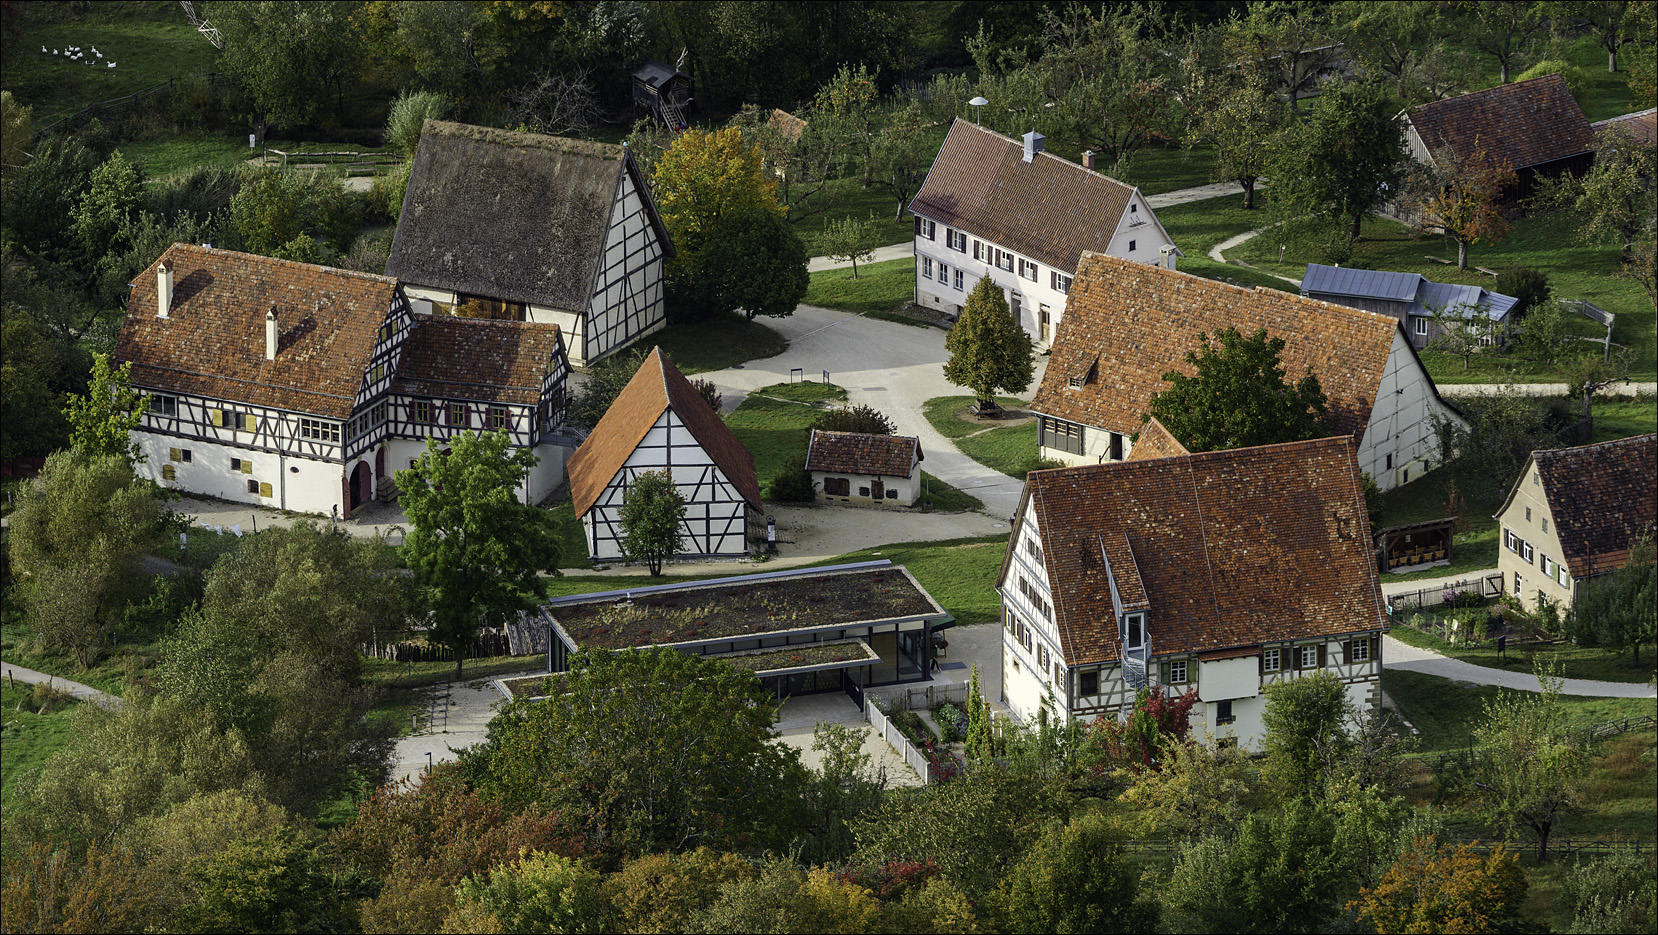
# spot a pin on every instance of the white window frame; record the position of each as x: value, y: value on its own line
x: 1421, y: 326
x: 1060, y: 283
x: 925, y: 228
x: 1562, y: 576
x: 926, y: 267
x: 1270, y: 660
x: 956, y: 240
x: 1307, y: 656
x: 1177, y: 672
x: 1135, y: 626
x: 1004, y: 261
x: 1028, y: 269
x: 958, y: 281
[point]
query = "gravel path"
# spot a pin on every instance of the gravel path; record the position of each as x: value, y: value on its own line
x: 81, y: 692
x: 1408, y: 658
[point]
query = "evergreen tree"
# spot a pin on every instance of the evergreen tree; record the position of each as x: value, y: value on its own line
x: 980, y: 740
x: 988, y: 348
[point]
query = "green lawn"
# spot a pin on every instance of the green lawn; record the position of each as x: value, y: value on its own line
x: 941, y: 414
x: 805, y: 391
x: 1010, y: 449
x: 30, y: 736
x: 946, y: 498
x: 880, y: 288
x: 1446, y: 711
x: 717, y: 343
x: 1621, y: 418
x: 852, y: 200
x: 146, y: 52
x: 1197, y: 226
x: 1575, y: 662
x: 1158, y: 168
x: 572, y: 537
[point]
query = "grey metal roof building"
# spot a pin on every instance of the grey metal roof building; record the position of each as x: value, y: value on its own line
x: 1410, y: 297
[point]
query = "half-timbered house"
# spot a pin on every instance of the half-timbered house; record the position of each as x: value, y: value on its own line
x: 306, y: 388
x: 660, y: 423
x: 863, y: 469
x: 998, y: 207
x: 1222, y: 572
x: 1129, y: 324
x: 529, y: 227
x: 1573, y: 514
x: 268, y: 381
x: 460, y: 375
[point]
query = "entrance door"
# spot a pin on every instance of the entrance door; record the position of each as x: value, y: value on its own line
x: 877, y: 490
x: 361, y: 484
x: 1046, y: 334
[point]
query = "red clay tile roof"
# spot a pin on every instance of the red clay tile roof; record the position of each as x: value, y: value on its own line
x: 858, y: 453
x: 657, y: 386
x: 1528, y: 123
x: 787, y: 124
x: 1049, y: 209
x: 465, y: 358
x: 1641, y: 126
x: 1602, y: 496
x: 1141, y: 320
x: 1231, y: 548
x: 213, y: 342
x: 1156, y: 441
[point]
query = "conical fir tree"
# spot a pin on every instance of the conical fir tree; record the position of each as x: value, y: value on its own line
x: 979, y: 744
x: 989, y: 351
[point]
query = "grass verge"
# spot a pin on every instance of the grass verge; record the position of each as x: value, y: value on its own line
x: 1575, y: 662
x: 941, y: 414
x: 572, y: 537
x: 1446, y: 711
x: 946, y: 498
x: 717, y: 343
x: 31, y: 734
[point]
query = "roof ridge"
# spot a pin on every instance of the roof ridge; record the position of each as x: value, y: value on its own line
x: 500, y: 137
x: 261, y: 258
x: 1609, y: 443
x: 1060, y: 159
x: 1213, y: 284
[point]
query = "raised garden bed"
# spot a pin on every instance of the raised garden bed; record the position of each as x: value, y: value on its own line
x: 743, y: 609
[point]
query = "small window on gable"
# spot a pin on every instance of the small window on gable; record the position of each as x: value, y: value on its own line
x: 1131, y: 245
x: 1134, y: 208
x: 1528, y: 514
x: 1545, y: 524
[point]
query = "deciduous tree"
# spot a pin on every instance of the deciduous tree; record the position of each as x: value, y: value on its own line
x: 649, y: 750
x: 284, y: 53
x: 536, y: 893
x: 1619, y: 610
x: 1457, y: 334
x: 475, y: 550
x: 862, y: 418
x: 901, y: 156
x: 653, y: 512
x: 989, y: 349
x: 78, y: 539
x: 1239, y: 397
x: 1306, y: 721
x: 849, y: 240
x: 1462, y: 196
x: 102, y: 421
x: 1527, y: 773
x: 705, y: 176
x: 1076, y: 878
x: 752, y: 262
x: 1345, y: 161
x: 1443, y: 888
x: 1502, y: 29
x: 1240, y: 119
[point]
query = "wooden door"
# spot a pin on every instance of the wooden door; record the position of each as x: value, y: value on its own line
x: 876, y: 490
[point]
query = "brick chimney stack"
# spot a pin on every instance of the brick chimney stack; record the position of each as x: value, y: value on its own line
x: 1088, y: 159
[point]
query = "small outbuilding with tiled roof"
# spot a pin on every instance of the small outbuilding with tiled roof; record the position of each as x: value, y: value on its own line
x: 1641, y: 127
x: 1130, y: 324
x: 529, y: 227
x: 660, y: 423
x: 1221, y: 572
x: 1535, y: 126
x: 864, y: 469
x: 995, y: 206
x: 1573, y: 514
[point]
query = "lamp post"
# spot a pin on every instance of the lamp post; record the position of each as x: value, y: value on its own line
x: 978, y: 101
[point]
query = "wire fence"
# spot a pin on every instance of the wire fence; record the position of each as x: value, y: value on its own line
x: 117, y: 103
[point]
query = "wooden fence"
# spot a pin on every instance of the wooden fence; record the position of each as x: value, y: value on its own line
x: 1488, y: 586
x: 489, y: 644
x: 920, y: 699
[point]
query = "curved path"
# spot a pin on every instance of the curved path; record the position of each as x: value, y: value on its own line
x: 81, y: 692
x: 1408, y: 658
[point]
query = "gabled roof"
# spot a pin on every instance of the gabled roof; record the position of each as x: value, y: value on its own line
x: 1142, y: 320
x: 656, y: 74
x: 860, y: 453
x: 515, y: 216
x: 1049, y: 209
x: 1225, y: 548
x: 787, y: 124
x: 1423, y: 296
x: 1526, y: 123
x: 1601, y: 497
x: 657, y: 387
x: 1156, y: 441
x: 479, y: 359
x: 212, y: 343
x: 1642, y: 126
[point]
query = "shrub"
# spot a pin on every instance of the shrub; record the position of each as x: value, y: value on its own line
x: 791, y: 483
x: 1530, y: 286
x: 952, y: 723
x: 912, y: 726
x: 1577, y: 80
x: 865, y: 419
x: 407, y: 114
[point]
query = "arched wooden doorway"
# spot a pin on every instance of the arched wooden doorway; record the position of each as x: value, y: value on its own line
x: 362, y: 484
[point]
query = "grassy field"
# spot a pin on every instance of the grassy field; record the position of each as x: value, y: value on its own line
x: 717, y: 343
x: 1575, y: 662
x: 1621, y: 418
x: 1446, y: 712
x: 30, y: 735
x: 1010, y: 449
x: 146, y: 52
x: 880, y: 287
x: 941, y: 414
x: 572, y: 540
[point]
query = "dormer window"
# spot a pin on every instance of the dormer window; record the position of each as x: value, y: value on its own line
x: 1134, y: 627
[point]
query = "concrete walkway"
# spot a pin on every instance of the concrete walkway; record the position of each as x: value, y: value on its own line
x: 1628, y: 388
x: 897, y: 251
x: 80, y: 692
x: 1408, y: 658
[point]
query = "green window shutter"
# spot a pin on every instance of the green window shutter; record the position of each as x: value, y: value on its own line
x: 167, y: 471
x: 1163, y: 672
x: 173, y: 455
x: 251, y: 423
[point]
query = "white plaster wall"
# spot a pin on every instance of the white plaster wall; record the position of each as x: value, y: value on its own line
x: 1032, y: 295
x: 547, y: 475
x: 1528, y: 494
x: 1225, y: 679
x: 1401, y: 421
x: 315, y: 487
x: 1143, y: 229
x: 1247, y: 725
x: 1022, y: 690
x: 909, y: 489
x: 1096, y: 448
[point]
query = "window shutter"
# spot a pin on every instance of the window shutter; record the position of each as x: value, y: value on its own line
x: 1375, y: 649
x: 218, y: 416
x: 247, y: 466
x: 1346, y: 651
x: 264, y: 490
x: 1321, y: 662
x: 251, y: 422
x: 167, y: 471
x: 1163, y: 672
x: 173, y: 454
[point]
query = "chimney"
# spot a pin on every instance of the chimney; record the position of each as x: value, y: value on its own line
x: 1033, y: 144
x: 163, y: 289
x: 1088, y: 159
x: 270, y: 334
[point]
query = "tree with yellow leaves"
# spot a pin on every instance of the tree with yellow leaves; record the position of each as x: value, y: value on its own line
x: 1439, y: 888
